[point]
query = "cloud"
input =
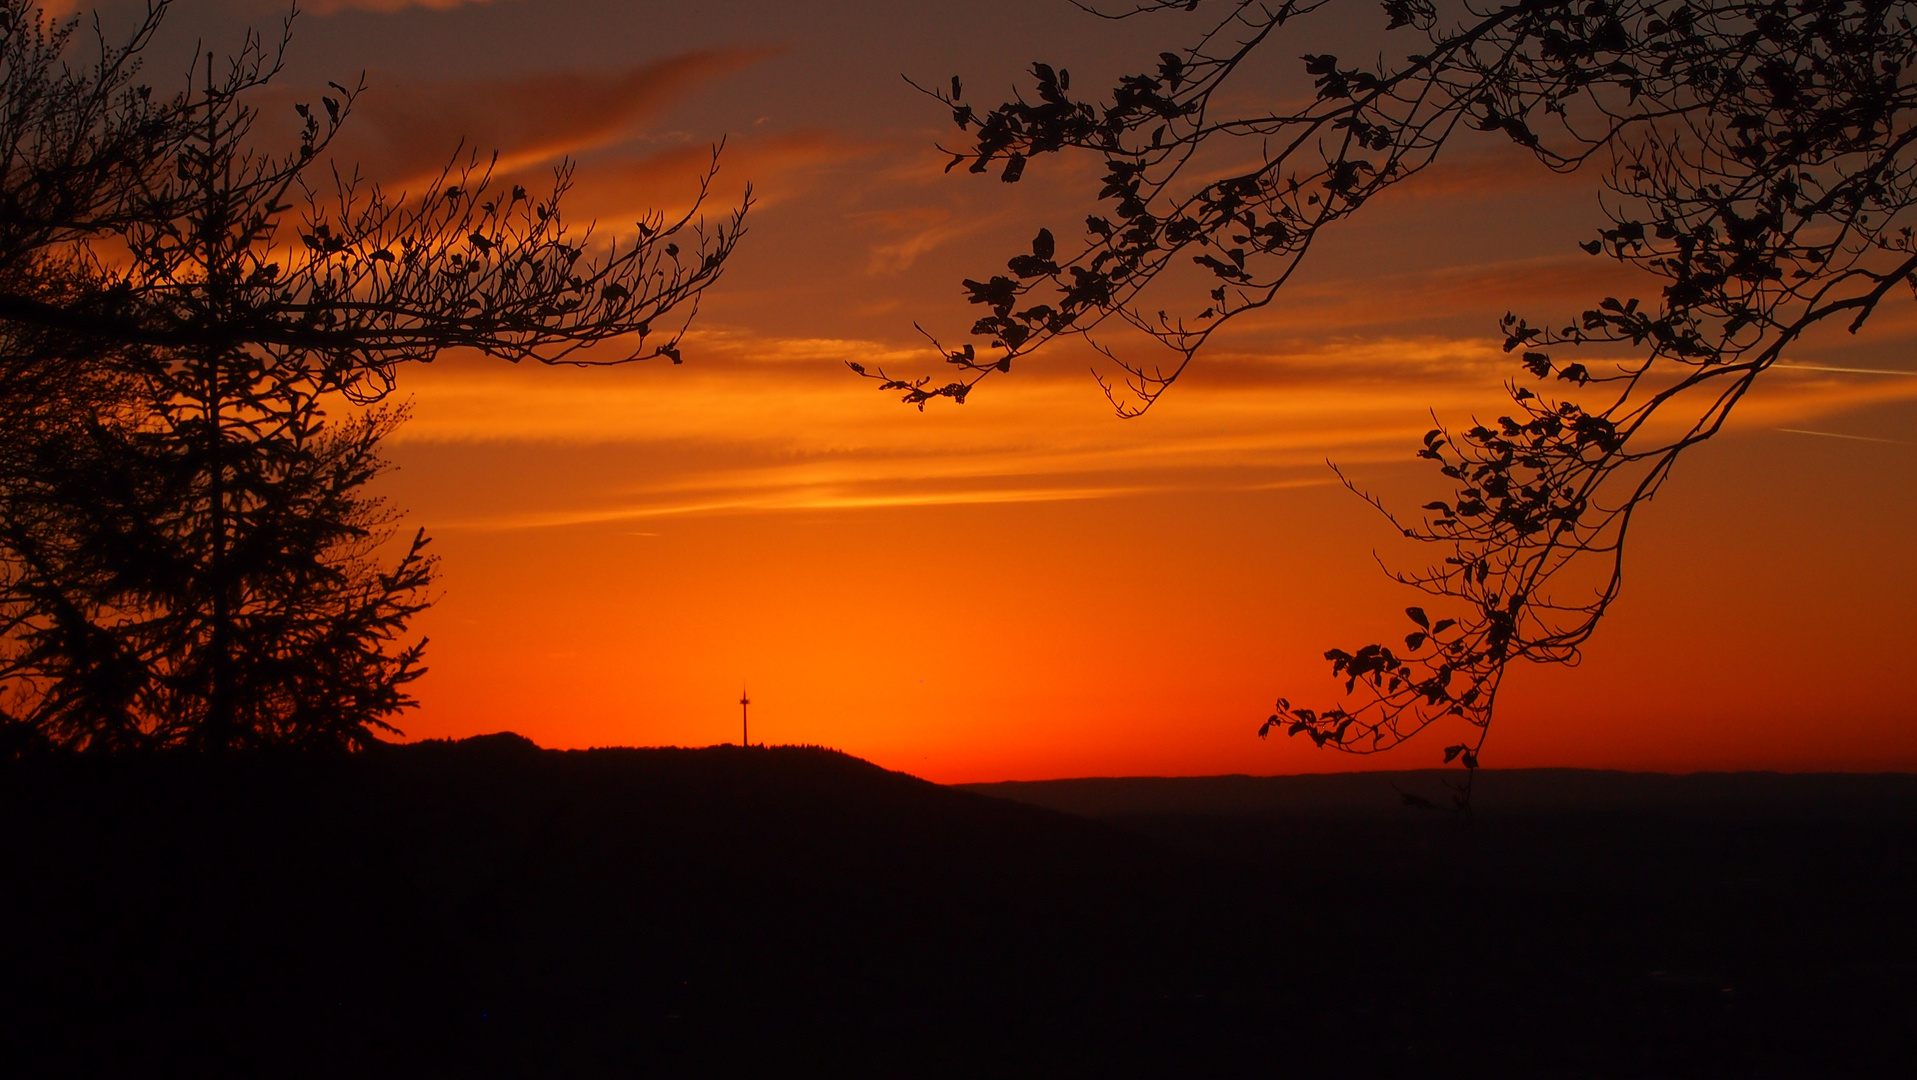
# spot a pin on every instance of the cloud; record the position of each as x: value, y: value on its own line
x: 405, y: 131
x: 917, y: 230
x: 619, y: 186
x: 1499, y: 171
x: 1841, y: 435
x: 1462, y: 302
x: 763, y: 424
x: 384, y: 7
x: 309, y: 7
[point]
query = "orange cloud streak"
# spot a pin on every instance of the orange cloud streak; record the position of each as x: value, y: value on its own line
x: 1026, y: 586
x: 404, y: 131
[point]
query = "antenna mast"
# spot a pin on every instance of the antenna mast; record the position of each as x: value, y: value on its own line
x: 745, y: 728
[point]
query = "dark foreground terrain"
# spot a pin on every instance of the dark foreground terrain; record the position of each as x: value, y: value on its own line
x: 489, y: 909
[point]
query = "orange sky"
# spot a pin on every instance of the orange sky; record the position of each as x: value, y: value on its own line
x: 1026, y: 586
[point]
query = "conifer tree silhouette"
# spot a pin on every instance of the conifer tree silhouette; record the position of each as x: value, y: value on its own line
x: 195, y: 341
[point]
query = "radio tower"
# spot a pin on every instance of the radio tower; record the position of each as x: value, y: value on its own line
x: 745, y: 728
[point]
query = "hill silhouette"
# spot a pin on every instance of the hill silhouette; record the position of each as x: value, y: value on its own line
x: 487, y: 908
x: 1502, y: 792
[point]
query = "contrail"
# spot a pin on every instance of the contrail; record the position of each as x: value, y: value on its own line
x: 1844, y: 370
x: 1835, y: 435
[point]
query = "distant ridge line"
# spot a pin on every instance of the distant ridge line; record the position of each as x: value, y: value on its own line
x: 1529, y: 791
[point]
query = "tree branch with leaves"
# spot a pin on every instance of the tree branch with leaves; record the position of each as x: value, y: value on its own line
x: 1755, y: 162
x: 191, y: 557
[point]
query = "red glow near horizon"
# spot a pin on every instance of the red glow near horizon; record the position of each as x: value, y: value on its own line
x: 1027, y: 587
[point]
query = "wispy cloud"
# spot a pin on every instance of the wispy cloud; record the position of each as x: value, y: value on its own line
x: 1841, y: 435
x: 384, y: 7
x: 1549, y: 288
x: 824, y: 498
x: 914, y: 231
x: 1497, y: 170
x: 1786, y: 366
x: 405, y: 130
x: 619, y: 186
x: 760, y: 424
x: 754, y: 424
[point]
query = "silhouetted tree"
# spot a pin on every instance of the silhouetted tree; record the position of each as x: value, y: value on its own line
x: 1759, y: 161
x: 85, y: 148
x: 190, y: 551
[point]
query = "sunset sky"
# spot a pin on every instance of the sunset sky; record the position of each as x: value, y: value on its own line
x: 1027, y: 586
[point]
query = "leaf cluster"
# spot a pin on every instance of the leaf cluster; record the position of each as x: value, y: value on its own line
x: 1754, y: 158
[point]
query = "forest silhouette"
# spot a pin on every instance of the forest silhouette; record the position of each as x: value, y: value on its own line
x: 487, y: 908
x: 218, y: 863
